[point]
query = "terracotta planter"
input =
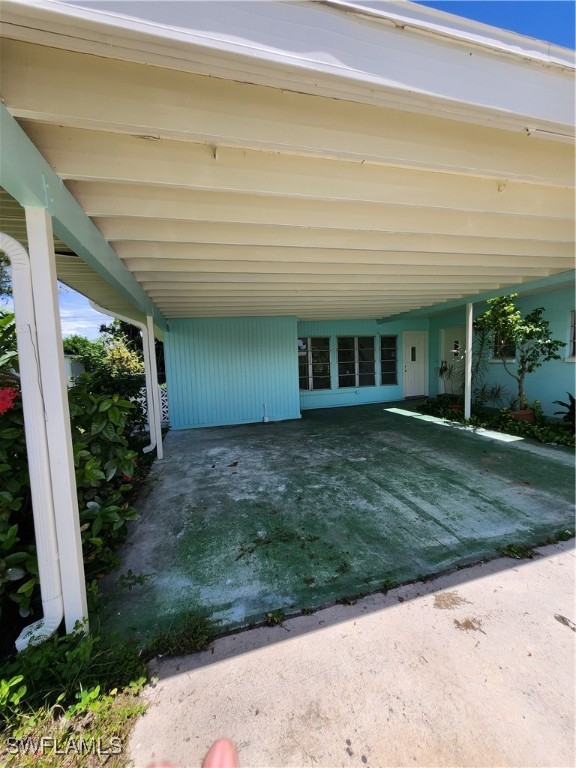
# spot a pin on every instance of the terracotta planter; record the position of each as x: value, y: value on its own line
x: 526, y: 414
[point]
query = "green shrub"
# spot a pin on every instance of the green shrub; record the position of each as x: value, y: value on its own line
x: 108, y: 473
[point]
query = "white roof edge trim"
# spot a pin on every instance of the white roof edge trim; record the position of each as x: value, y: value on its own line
x: 465, y: 30
x: 414, y: 16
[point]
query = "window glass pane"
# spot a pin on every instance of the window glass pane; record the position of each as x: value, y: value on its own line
x: 366, y: 367
x: 321, y: 382
x: 314, y: 362
x: 365, y: 342
x: 388, y: 346
x: 320, y: 343
x: 346, y: 381
x: 504, y: 349
x: 346, y: 369
x: 320, y: 369
x: 366, y: 355
x: 367, y: 380
x: 345, y: 342
x: 346, y: 356
x: 320, y: 356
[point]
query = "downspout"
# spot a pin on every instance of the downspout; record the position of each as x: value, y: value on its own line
x: 150, y: 402
x: 37, y: 449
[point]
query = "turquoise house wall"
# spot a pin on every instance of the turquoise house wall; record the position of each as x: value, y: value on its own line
x: 548, y: 383
x: 223, y: 370
x: 349, y: 396
x: 448, y: 320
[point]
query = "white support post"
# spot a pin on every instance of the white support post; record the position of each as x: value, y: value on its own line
x: 150, y: 384
x: 155, y: 393
x: 468, y: 369
x: 54, y: 387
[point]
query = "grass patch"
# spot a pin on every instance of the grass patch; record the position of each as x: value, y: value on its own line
x: 189, y: 634
x: 273, y: 618
x: 73, y: 700
x: 70, y: 701
x: 527, y: 551
x: 518, y: 551
x: 566, y: 535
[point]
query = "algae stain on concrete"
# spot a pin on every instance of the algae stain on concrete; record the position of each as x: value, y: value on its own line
x: 248, y: 520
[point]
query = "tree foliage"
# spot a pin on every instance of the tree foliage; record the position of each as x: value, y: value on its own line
x: 5, y: 280
x: 529, y: 333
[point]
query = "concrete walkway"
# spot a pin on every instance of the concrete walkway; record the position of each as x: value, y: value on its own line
x: 241, y: 521
x: 471, y: 669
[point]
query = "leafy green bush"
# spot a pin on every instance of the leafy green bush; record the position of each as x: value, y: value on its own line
x: 105, y: 466
x: 18, y: 566
x: 108, y: 473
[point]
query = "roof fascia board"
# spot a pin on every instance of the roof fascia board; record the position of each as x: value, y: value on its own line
x: 531, y: 96
x: 435, y: 22
x: 563, y: 279
x: 26, y: 175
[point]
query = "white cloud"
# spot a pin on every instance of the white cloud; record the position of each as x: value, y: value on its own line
x: 77, y: 316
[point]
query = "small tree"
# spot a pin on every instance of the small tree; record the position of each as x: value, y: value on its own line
x: 529, y: 334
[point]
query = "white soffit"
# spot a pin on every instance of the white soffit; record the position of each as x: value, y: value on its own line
x: 237, y: 198
x: 395, y: 54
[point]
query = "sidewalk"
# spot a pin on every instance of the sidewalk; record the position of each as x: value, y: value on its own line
x: 471, y: 669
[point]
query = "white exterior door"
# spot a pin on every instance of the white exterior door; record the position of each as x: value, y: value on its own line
x: 415, y: 355
x: 453, y: 362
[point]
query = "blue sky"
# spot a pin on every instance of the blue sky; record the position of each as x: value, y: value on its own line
x: 77, y: 316
x: 550, y: 20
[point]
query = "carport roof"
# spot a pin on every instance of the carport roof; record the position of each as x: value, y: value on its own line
x: 317, y: 159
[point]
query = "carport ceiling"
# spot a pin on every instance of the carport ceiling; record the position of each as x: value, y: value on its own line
x: 229, y: 198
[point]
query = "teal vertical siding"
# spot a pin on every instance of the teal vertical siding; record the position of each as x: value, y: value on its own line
x: 360, y: 395
x: 223, y: 370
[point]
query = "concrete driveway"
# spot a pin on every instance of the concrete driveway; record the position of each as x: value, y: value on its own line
x: 471, y: 669
x: 241, y: 521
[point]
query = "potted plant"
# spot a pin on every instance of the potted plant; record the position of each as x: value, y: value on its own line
x: 530, y: 336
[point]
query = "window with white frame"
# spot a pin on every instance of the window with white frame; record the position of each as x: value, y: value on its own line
x: 572, y: 347
x: 356, y: 361
x: 503, y: 349
x: 389, y: 359
x: 314, y: 362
